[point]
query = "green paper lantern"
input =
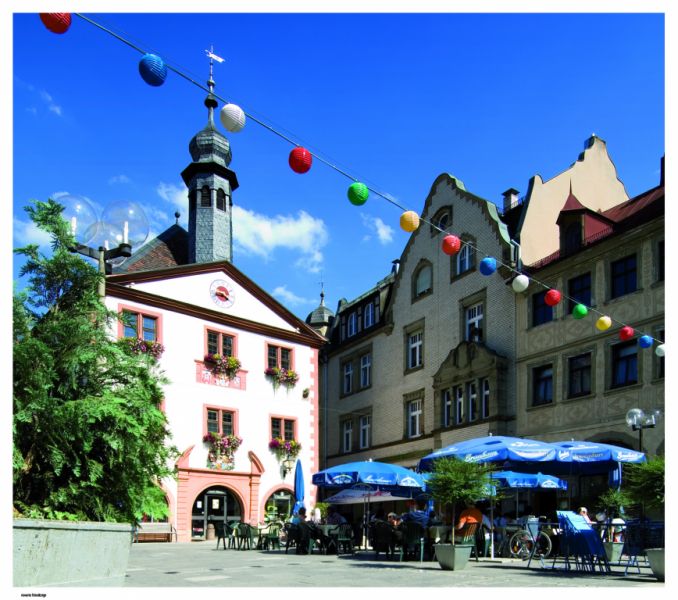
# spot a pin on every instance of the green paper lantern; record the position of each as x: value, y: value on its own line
x: 579, y: 311
x: 358, y: 193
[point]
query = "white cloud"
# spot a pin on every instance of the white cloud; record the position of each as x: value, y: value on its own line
x: 119, y: 179
x: 383, y: 231
x: 27, y: 232
x: 49, y: 102
x: 176, y: 195
x: 261, y: 235
x: 290, y: 298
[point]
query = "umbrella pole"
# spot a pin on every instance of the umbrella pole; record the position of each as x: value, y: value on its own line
x: 492, y: 528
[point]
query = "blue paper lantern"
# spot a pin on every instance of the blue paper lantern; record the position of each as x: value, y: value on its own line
x: 153, y: 69
x: 488, y: 265
x: 645, y: 341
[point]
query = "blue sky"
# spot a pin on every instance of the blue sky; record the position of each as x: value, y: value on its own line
x: 392, y: 99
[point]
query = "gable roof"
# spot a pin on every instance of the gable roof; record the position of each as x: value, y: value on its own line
x: 117, y: 285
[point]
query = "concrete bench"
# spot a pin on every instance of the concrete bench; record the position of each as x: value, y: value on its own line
x: 155, y: 532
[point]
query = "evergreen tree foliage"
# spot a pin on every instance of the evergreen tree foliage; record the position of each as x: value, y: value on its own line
x: 90, y: 441
x: 645, y: 484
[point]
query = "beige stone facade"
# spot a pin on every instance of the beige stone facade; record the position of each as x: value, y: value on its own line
x: 593, y: 406
x: 420, y: 350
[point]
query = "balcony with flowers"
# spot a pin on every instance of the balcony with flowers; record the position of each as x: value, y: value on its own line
x: 224, y: 371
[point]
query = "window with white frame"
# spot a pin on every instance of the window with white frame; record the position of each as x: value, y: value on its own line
x: 352, y: 324
x: 485, y: 399
x: 414, y: 412
x: 415, y: 347
x: 472, y: 401
x: 458, y: 404
x: 474, y: 323
x: 348, y: 377
x: 365, y: 431
x: 446, y: 408
x: 368, y: 315
x: 347, y: 436
x: 365, y: 370
x: 465, y: 258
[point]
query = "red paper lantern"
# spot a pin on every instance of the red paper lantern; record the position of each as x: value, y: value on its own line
x: 300, y: 160
x: 56, y: 22
x: 552, y: 297
x: 451, y: 244
x: 626, y: 333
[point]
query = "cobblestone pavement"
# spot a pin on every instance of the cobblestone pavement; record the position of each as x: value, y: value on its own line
x: 200, y: 564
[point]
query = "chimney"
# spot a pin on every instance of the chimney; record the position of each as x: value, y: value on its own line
x: 510, y: 199
x: 661, y: 177
x: 396, y: 266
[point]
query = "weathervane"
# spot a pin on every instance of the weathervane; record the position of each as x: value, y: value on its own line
x: 212, y: 58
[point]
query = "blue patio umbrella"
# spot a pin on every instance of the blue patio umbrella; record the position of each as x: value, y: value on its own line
x: 512, y: 479
x: 371, y: 477
x: 298, y: 487
x: 382, y: 476
x: 493, y: 448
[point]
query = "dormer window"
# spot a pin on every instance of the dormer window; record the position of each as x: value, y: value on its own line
x: 572, y: 237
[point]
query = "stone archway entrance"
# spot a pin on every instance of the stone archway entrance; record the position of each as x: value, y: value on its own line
x: 216, y: 503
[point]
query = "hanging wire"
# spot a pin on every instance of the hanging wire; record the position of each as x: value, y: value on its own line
x: 389, y: 198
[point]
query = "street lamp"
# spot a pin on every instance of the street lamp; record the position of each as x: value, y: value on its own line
x: 121, y: 226
x: 287, y: 464
x: 637, y: 419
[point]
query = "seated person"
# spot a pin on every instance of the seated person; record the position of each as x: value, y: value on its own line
x: 469, y: 515
x: 394, y: 520
x: 584, y: 513
x: 300, y: 517
x: 334, y: 518
x: 419, y: 515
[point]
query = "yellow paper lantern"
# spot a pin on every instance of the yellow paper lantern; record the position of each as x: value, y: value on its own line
x: 603, y: 323
x: 409, y: 221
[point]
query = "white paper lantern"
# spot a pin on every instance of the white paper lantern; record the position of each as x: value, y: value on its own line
x: 520, y: 283
x: 232, y: 117
x: 659, y: 351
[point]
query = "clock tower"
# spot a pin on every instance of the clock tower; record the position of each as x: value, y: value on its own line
x: 210, y: 187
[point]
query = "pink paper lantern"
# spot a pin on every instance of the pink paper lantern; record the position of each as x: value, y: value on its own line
x: 451, y: 244
x: 56, y: 22
x: 626, y: 333
x: 552, y: 297
x: 300, y: 160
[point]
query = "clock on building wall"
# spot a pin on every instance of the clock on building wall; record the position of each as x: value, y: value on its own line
x: 221, y: 292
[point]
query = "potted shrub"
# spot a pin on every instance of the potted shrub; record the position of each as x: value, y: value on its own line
x: 455, y: 481
x: 645, y: 485
x: 611, y: 503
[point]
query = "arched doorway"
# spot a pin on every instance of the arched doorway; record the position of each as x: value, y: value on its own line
x: 283, y: 500
x: 216, y: 503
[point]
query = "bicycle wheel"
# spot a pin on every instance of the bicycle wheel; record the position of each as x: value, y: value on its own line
x: 520, y: 545
x: 544, y: 544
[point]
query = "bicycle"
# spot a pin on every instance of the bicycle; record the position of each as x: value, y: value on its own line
x: 523, y: 544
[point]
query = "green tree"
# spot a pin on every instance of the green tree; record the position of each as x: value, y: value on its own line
x: 90, y: 441
x: 454, y: 481
x: 644, y: 483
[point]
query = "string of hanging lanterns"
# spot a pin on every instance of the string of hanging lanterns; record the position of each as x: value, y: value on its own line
x: 153, y: 70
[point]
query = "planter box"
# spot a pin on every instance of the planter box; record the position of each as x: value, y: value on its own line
x: 453, y: 557
x: 613, y: 551
x: 656, y: 558
x: 70, y: 553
